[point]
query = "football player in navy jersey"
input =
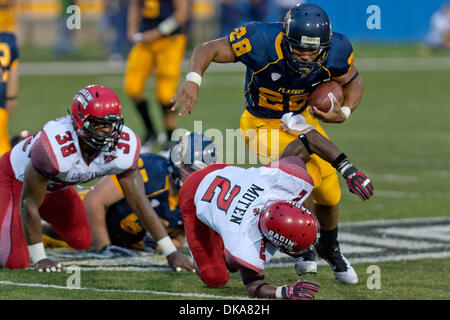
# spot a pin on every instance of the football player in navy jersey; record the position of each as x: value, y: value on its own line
x: 9, y: 70
x: 157, y: 30
x: 113, y: 223
x: 285, y: 62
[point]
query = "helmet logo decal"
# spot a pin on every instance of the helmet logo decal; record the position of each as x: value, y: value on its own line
x: 281, y: 240
x: 84, y: 97
x: 311, y: 41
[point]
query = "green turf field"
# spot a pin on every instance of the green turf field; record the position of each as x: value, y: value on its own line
x: 399, y: 137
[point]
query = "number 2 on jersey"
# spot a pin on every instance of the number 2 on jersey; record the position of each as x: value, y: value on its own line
x: 223, y: 199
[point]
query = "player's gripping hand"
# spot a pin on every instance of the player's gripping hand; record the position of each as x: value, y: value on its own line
x: 360, y: 185
x: 335, y: 115
x: 187, y: 95
x: 357, y: 181
x: 301, y: 290
x: 179, y: 261
x: 47, y: 265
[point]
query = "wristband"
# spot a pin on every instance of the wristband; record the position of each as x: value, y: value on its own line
x: 336, y: 162
x: 278, y: 293
x: 194, y: 77
x: 282, y: 292
x: 37, y: 252
x: 137, y: 37
x: 346, y: 111
x: 166, y: 245
x: 168, y: 26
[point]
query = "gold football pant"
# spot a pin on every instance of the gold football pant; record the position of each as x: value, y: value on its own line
x: 4, y: 136
x: 267, y: 140
x: 166, y: 55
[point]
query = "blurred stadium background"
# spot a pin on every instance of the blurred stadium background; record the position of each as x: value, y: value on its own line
x: 399, y: 135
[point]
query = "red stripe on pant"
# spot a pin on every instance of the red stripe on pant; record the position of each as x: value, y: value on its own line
x: 13, y: 248
x: 63, y: 209
x: 205, y: 244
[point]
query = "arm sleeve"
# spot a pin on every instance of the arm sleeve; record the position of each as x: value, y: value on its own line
x: 342, y: 56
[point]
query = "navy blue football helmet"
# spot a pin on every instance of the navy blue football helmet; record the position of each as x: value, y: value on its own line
x: 306, y: 26
x: 194, y: 151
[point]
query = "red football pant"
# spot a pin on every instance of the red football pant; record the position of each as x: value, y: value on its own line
x: 63, y: 209
x: 205, y: 244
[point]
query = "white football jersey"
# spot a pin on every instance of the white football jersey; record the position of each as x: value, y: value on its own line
x: 56, y: 154
x: 229, y: 200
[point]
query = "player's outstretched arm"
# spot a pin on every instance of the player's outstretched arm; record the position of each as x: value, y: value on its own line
x: 258, y: 288
x: 313, y: 142
x: 96, y: 202
x: 134, y: 191
x: 33, y: 192
x: 218, y: 50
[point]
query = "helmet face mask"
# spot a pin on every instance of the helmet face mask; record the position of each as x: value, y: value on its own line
x: 288, y: 226
x: 106, y: 141
x: 94, y: 108
x: 306, y: 26
x: 194, y: 151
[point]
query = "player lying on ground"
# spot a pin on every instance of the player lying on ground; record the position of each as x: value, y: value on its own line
x: 285, y: 62
x: 112, y: 221
x: 35, y: 180
x: 235, y: 219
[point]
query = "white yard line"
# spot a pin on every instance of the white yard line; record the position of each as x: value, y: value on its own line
x: 410, y: 195
x: 104, y: 67
x: 175, y: 294
x: 393, y: 221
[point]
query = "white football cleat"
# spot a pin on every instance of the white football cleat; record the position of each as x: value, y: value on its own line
x: 306, y: 263
x: 348, y: 276
x: 342, y: 269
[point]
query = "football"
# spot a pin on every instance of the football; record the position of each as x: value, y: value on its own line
x: 320, y: 97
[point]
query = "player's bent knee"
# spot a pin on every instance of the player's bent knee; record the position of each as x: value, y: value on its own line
x: 18, y: 263
x: 81, y: 243
x: 165, y: 99
x: 212, y: 277
x: 132, y: 90
x: 329, y: 192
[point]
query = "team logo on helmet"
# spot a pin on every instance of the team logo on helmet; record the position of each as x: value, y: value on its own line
x: 289, y: 226
x: 193, y: 151
x: 84, y: 97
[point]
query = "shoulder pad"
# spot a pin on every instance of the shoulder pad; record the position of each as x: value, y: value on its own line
x: 340, y: 59
x: 254, y: 43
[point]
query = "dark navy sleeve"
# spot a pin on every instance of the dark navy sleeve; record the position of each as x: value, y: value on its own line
x: 340, y: 60
x: 249, y: 45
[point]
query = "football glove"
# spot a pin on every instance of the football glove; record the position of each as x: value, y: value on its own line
x: 301, y: 290
x: 357, y: 181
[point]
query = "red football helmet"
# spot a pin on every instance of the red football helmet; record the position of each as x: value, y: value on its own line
x: 290, y: 227
x: 97, y: 105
